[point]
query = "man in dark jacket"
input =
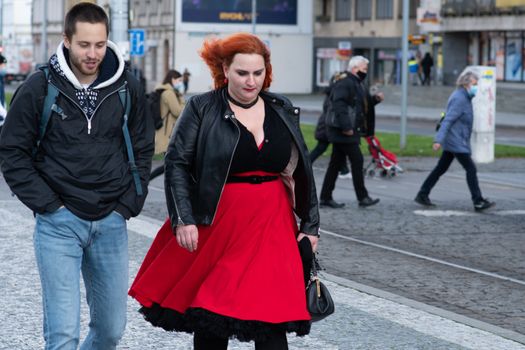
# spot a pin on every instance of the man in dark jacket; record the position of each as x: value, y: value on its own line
x: 354, y: 116
x: 77, y: 181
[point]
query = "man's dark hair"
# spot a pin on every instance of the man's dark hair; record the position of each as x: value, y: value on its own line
x: 84, y: 12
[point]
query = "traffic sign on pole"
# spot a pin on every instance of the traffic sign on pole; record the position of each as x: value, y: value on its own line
x: 137, y: 42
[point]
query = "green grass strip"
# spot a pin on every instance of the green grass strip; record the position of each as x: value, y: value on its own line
x: 416, y: 145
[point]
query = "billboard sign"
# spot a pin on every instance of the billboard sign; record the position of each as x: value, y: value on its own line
x: 239, y: 12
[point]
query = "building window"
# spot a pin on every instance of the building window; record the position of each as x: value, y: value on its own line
x: 342, y: 10
x: 513, y: 56
x: 384, y: 9
x: 363, y: 9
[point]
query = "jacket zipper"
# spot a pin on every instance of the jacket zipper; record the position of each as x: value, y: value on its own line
x: 232, y: 118
x: 179, y: 219
x: 94, y: 112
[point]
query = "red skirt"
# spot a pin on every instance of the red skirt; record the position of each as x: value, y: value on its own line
x: 245, y: 280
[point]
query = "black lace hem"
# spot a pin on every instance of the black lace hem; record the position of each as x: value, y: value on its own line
x: 201, y: 320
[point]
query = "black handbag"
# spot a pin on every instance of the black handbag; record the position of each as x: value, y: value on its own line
x: 318, y: 299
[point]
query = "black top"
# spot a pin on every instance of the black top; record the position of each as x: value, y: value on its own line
x: 274, y: 153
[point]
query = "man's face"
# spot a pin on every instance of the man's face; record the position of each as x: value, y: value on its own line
x: 87, y: 48
x: 362, y: 67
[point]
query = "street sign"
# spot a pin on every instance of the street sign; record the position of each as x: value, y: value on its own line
x: 137, y: 42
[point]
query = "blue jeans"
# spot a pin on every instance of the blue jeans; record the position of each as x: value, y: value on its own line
x: 64, y: 246
x: 442, y: 166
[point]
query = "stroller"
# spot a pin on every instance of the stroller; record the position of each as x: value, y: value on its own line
x: 383, y: 161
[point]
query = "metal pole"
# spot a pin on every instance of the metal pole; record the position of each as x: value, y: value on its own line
x: 1, y: 22
x: 43, y: 44
x: 254, y: 15
x: 404, y: 77
x: 119, y: 21
x: 174, y: 33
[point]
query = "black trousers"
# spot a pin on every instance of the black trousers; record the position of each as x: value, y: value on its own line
x: 442, y: 166
x: 319, y: 149
x: 202, y: 341
x: 340, y: 151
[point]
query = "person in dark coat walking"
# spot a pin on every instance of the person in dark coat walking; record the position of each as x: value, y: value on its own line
x: 454, y: 137
x: 320, y: 131
x: 426, y: 64
x: 354, y: 113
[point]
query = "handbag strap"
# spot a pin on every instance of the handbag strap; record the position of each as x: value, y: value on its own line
x: 314, y: 276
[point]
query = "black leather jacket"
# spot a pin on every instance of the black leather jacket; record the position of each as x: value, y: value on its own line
x: 200, y: 153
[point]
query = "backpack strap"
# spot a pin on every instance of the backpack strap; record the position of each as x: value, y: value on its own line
x: 49, y: 106
x: 125, y: 99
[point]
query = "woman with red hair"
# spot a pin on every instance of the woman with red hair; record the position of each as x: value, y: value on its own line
x: 226, y: 263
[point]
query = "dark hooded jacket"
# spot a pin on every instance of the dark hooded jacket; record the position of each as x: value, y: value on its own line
x: 350, y: 93
x: 81, y: 162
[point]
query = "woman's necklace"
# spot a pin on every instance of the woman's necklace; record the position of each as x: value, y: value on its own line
x: 242, y: 105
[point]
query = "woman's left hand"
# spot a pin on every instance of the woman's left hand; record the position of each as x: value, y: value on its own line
x: 313, y: 240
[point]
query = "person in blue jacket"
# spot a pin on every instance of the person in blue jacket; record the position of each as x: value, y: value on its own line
x: 453, y: 137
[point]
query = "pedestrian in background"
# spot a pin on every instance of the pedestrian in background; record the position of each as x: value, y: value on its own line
x: 171, y: 105
x: 78, y: 181
x: 426, y: 65
x: 454, y: 137
x: 354, y: 110
x: 236, y: 169
x: 3, y: 72
x: 413, y: 70
x: 320, y: 131
x: 186, y: 79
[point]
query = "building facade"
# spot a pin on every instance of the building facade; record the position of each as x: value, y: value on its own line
x: 484, y: 32
x: 16, y: 41
x: 371, y: 28
x: 157, y: 19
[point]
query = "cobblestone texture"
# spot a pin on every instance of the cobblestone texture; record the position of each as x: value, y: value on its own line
x: 487, y: 242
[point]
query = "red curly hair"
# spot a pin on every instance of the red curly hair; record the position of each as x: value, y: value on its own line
x: 219, y: 52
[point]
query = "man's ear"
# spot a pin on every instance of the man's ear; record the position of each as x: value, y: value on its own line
x: 67, y: 43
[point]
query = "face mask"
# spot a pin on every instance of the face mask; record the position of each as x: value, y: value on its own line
x: 361, y: 75
x: 3, y: 71
x: 473, y: 90
x: 179, y: 86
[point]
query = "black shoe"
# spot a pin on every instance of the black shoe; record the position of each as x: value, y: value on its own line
x: 483, y: 204
x: 367, y: 201
x: 331, y: 203
x: 424, y: 200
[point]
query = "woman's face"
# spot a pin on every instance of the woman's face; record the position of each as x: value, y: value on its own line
x: 245, y: 76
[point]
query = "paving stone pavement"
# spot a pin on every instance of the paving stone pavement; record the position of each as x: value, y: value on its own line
x: 361, y: 321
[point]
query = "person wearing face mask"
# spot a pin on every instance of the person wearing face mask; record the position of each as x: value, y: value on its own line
x: 171, y: 105
x: 453, y: 137
x: 354, y: 110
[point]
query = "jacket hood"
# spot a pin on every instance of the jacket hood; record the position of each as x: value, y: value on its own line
x: 110, y: 69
